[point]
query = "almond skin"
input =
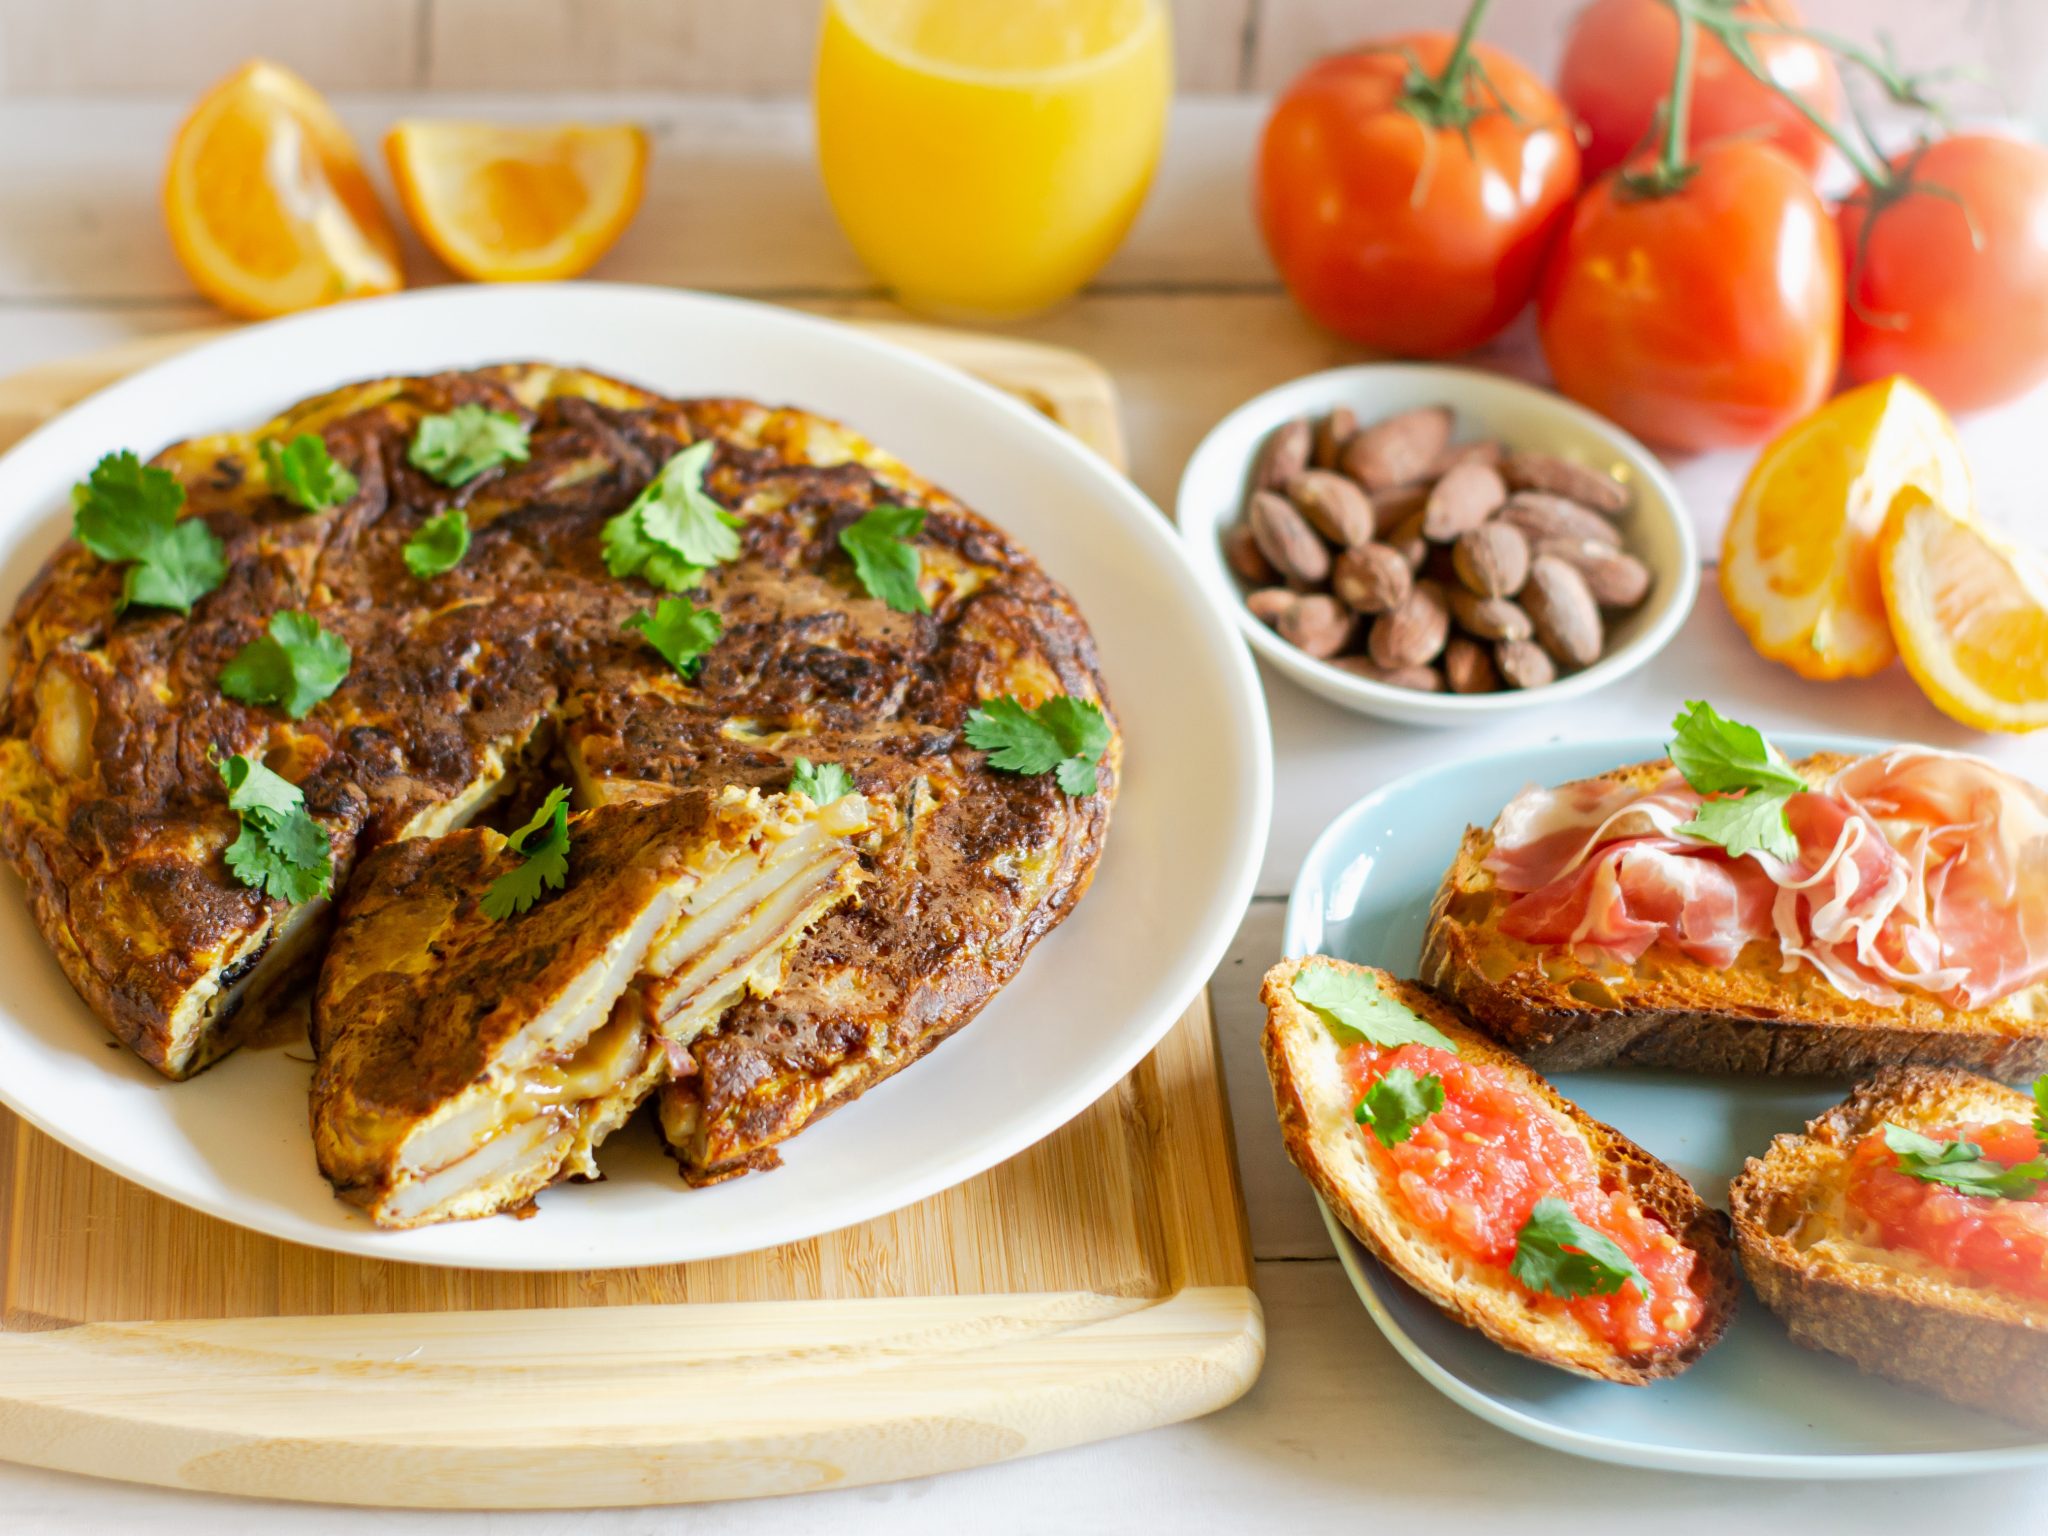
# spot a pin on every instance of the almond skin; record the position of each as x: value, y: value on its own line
x: 1524, y: 664
x: 1283, y: 455
x: 1406, y: 540
x: 1372, y: 578
x: 1485, y: 451
x: 1492, y: 560
x: 1461, y: 501
x: 1615, y: 578
x: 1490, y: 618
x: 1561, y: 606
x: 1241, y: 554
x: 1331, y: 434
x: 1334, y: 505
x: 1316, y: 623
x: 1578, y: 482
x: 1288, y: 543
x: 1541, y: 515
x: 1397, y: 504
x: 1468, y: 666
x: 1421, y: 679
x: 1399, y: 449
x: 1414, y: 632
x: 1268, y: 603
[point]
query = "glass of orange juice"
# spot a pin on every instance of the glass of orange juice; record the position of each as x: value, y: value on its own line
x: 985, y: 157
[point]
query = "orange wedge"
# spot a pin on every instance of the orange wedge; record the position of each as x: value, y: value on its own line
x: 1970, y: 613
x: 267, y: 203
x: 1799, y: 560
x: 504, y: 204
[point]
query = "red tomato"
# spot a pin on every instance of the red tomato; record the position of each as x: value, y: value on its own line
x: 1621, y: 54
x: 1401, y: 235
x: 1966, y: 320
x: 1705, y: 317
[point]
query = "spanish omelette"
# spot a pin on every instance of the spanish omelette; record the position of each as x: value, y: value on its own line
x: 462, y: 689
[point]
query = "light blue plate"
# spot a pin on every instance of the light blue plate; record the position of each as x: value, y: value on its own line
x: 1758, y: 1405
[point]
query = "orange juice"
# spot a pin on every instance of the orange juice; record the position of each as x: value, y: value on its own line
x: 985, y: 157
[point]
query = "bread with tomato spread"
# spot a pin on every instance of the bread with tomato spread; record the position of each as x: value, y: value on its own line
x: 1569, y: 1007
x: 1818, y: 1263
x: 1316, y: 1103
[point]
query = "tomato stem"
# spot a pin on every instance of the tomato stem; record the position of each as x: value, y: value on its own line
x: 1442, y: 100
x: 1673, y: 169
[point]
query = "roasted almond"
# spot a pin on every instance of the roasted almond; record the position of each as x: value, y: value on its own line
x: 1486, y: 451
x: 1372, y: 578
x: 1490, y: 618
x: 1414, y: 632
x: 1461, y: 501
x: 1399, y: 449
x: 1241, y: 554
x: 1541, y: 515
x: 1615, y: 578
x: 1578, y: 482
x: 1492, y: 559
x: 1334, y: 506
x: 1283, y: 455
x: 1286, y: 540
x: 1421, y: 679
x: 1468, y: 666
x: 1524, y: 664
x: 1406, y: 540
x: 1268, y: 603
x: 1316, y: 624
x: 1331, y: 434
x: 1561, y: 606
x: 1397, y: 504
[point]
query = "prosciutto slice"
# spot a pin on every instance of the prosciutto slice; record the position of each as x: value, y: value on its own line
x: 1917, y: 870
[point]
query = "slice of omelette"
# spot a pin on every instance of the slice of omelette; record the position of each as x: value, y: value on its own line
x: 465, y: 1063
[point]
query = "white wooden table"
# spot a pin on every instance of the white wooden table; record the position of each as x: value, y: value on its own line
x: 1338, y: 1434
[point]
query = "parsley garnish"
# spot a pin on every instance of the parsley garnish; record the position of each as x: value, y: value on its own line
x: 673, y: 529
x: 1962, y: 1165
x: 1064, y: 736
x: 303, y: 471
x: 680, y: 630
x: 542, y: 866
x: 824, y: 782
x: 1558, y: 1253
x: 282, y: 851
x: 297, y: 665
x: 438, y: 545
x: 1356, y: 1009
x: 1751, y: 779
x: 457, y: 447
x: 1399, y: 1102
x: 128, y: 512
x: 2041, y: 1107
x: 883, y: 557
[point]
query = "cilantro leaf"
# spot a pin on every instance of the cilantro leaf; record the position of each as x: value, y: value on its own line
x: 438, y: 545
x: 456, y: 447
x: 1558, y: 1253
x: 296, y: 666
x: 680, y: 630
x: 674, y: 529
x: 543, y: 866
x: 1962, y: 1166
x: 884, y: 560
x: 281, y: 850
x: 1355, y: 1008
x: 2041, y: 1106
x: 126, y: 511
x: 303, y: 471
x: 1399, y: 1102
x: 1723, y: 757
x: 1063, y: 736
x: 824, y: 782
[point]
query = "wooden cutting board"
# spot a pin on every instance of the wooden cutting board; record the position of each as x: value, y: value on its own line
x: 1097, y: 1284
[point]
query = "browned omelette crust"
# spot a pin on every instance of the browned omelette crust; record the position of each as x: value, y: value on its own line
x: 420, y: 991
x: 119, y: 834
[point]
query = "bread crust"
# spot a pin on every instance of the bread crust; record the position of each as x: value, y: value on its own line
x: 1316, y: 1123
x: 1900, y: 1320
x: 1563, y: 1014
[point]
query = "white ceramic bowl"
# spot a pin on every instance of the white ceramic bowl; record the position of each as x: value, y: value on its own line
x: 1656, y: 528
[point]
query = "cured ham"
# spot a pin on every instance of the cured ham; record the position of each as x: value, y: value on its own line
x: 1917, y: 870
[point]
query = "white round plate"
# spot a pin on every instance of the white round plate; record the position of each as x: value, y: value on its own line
x: 1097, y: 994
x: 1757, y: 1405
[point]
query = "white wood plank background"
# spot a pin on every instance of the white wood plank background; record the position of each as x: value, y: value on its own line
x: 1338, y: 1434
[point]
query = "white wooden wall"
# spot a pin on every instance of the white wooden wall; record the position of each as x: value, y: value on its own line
x: 762, y: 47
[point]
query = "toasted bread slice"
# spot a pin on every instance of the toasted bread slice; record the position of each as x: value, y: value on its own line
x: 1316, y: 1119
x: 1564, y: 1012
x: 1893, y: 1314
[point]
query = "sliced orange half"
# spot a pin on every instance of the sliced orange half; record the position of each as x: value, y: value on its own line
x: 518, y: 204
x: 1970, y: 613
x: 267, y: 203
x: 1799, y: 560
